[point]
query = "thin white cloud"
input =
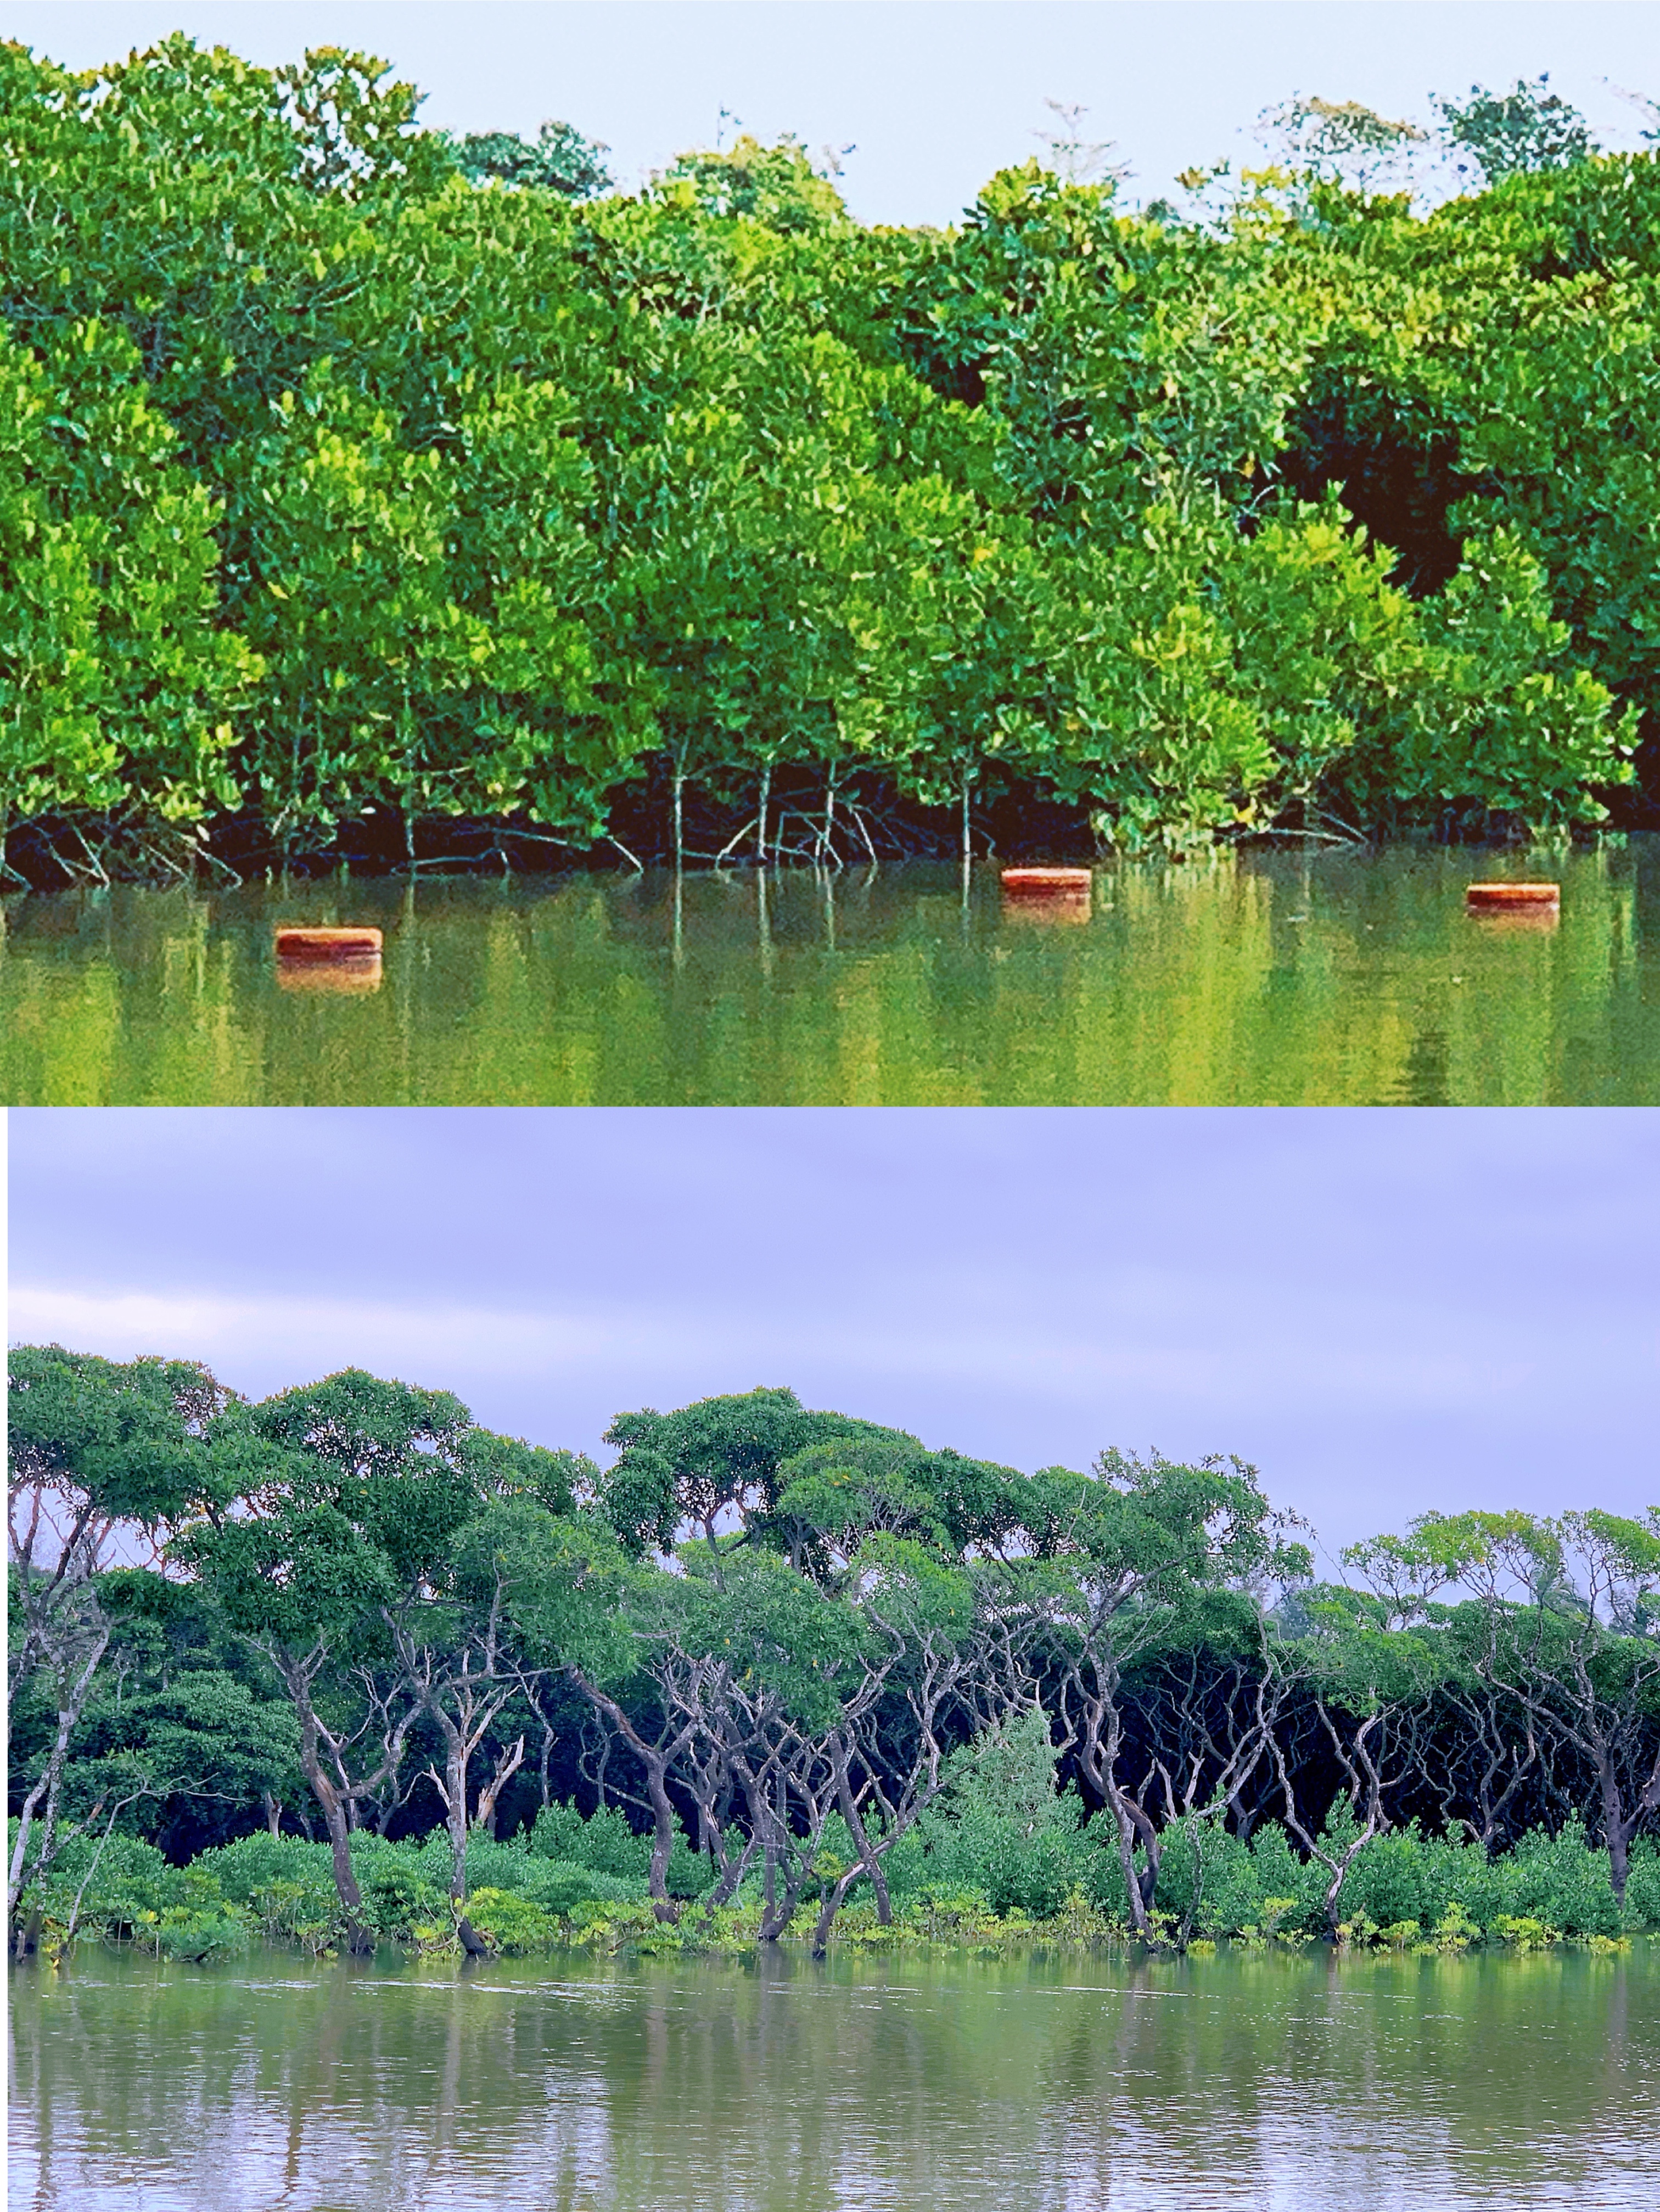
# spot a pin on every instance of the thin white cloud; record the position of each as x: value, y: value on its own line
x: 1018, y: 1348
x: 306, y: 1337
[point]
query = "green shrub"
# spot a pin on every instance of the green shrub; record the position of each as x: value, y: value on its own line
x: 1643, y: 1884
x: 1281, y: 1874
x: 969, y: 1872
x: 605, y: 1841
x: 123, y: 1860
x: 1034, y: 1875
x: 200, y: 1938
x: 1520, y: 1932
x: 511, y: 1926
x: 945, y: 1913
x: 129, y: 1885
x: 396, y: 1901
x: 1387, y: 1883
x: 257, y: 1862
x: 1230, y: 1890
x: 905, y: 1866
x: 616, y: 1925
x: 300, y: 1913
x: 558, y: 1886
x: 1561, y: 1880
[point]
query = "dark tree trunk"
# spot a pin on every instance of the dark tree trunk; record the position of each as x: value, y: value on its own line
x: 655, y: 1758
x: 455, y: 1809
x: 1619, y: 1829
x: 358, y: 1939
x: 335, y: 1806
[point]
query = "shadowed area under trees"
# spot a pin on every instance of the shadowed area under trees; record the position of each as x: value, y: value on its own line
x: 340, y: 1665
x: 368, y: 494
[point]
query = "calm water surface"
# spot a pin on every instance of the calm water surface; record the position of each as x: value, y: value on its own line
x: 906, y: 2086
x: 1355, y: 980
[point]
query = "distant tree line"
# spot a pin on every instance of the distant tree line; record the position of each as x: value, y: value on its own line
x: 374, y: 494
x: 784, y: 1642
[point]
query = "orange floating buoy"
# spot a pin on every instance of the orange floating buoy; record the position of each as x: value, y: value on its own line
x: 1047, y: 894
x: 353, y: 945
x: 1511, y: 898
x: 1047, y: 883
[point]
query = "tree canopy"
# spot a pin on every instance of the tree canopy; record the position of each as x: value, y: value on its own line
x: 788, y: 1643
x: 367, y: 493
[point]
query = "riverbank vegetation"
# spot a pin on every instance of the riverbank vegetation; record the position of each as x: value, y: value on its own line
x: 970, y: 1879
x: 340, y: 1666
x: 367, y: 496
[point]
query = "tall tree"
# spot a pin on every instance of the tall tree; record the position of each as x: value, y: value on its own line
x: 1570, y: 1629
x: 346, y: 1539
x: 1110, y: 1560
x: 107, y: 1458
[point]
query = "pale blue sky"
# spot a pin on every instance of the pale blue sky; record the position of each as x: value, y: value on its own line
x: 936, y: 94
x: 1386, y: 1310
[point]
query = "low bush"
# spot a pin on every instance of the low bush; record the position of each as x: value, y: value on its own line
x: 1643, y: 1887
x: 511, y: 1926
x: 605, y: 1841
x: 261, y: 1860
x: 974, y: 1871
x: 200, y: 1938
x: 561, y: 1887
x: 397, y: 1902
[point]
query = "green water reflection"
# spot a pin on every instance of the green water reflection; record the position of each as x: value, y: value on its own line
x: 1027, y: 2086
x: 1265, y: 980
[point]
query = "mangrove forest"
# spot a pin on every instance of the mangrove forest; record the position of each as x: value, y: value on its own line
x: 370, y: 495
x: 343, y: 1667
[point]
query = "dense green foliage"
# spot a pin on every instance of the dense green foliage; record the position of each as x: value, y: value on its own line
x: 367, y: 493
x: 561, y: 160
x: 971, y: 1879
x: 772, y: 1662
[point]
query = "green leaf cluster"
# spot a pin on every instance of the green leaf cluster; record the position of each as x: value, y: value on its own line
x: 337, y: 490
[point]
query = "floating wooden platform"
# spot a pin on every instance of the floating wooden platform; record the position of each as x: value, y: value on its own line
x: 1047, y: 883
x: 353, y: 945
x: 1511, y: 898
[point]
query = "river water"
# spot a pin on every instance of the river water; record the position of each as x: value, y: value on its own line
x: 899, y: 2085
x: 1268, y: 980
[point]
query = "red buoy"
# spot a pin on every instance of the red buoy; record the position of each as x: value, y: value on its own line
x: 353, y: 945
x: 1511, y: 898
x: 1046, y: 894
x: 1047, y: 883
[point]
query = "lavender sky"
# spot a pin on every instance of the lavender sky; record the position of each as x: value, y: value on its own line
x: 1387, y: 1310
x: 935, y: 94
